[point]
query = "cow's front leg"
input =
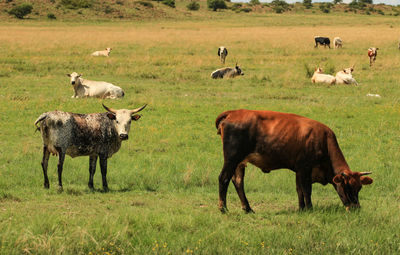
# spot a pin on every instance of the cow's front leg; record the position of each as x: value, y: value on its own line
x: 45, y: 162
x: 61, y: 157
x: 103, y: 166
x: 92, y: 170
x: 238, y: 182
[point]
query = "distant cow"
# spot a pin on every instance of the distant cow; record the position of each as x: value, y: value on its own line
x: 274, y: 140
x: 105, y: 53
x: 97, y: 135
x: 345, y: 76
x: 320, y: 77
x: 88, y: 88
x: 222, y: 53
x: 227, y: 72
x: 322, y: 41
x: 372, y: 53
x: 337, y: 42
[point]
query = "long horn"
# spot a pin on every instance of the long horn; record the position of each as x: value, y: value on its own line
x: 138, y: 109
x: 365, y: 173
x: 109, y: 109
x: 353, y: 65
x: 344, y: 174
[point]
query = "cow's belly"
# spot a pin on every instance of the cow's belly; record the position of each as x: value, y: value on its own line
x: 265, y: 163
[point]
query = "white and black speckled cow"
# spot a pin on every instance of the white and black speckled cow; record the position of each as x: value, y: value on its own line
x: 227, y: 72
x: 97, y: 135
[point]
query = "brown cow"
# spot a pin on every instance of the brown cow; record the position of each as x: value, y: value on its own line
x: 274, y: 140
x: 372, y: 53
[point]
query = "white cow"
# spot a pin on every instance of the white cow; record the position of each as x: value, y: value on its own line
x: 88, y: 88
x: 337, y: 42
x: 320, y: 77
x: 222, y: 53
x: 105, y: 52
x: 345, y: 76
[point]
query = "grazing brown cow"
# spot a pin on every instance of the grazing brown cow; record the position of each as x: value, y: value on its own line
x: 274, y: 140
x: 372, y: 53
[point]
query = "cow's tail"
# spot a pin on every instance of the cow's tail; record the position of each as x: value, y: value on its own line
x: 220, y: 118
x: 40, y: 119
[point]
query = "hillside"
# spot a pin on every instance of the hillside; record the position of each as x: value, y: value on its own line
x: 95, y: 10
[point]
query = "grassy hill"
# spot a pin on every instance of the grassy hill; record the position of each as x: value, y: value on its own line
x: 78, y: 10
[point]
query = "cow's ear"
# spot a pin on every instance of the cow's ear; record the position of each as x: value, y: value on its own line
x: 338, y: 179
x: 365, y: 180
x: 69, y: 75
x: 136, y: 117
x: 111, y: 115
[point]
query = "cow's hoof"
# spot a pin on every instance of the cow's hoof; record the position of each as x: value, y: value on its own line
x: 223, y: 210
x: 249, y: 210
x: 105, y: 189
x: 60, y: 189
x: 46, y: 185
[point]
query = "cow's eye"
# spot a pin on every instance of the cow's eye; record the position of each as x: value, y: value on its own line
x: 117, y: 121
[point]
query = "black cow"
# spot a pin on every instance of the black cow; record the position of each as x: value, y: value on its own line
x: 322, y: 41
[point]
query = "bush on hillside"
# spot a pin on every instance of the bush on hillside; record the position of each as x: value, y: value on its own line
x: 51, y: 16
x: 21, y: 11
x: 254, y: 2
x: 337, y: 1
x: 193, y: 6
x: 279, y: 6
x: 76, y: 4
x: 170, y: 3
x: 307, y: 4
x: 145, y: 4
x: 216, y: 4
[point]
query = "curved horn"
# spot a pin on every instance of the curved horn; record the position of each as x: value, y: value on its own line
x: 138, y: 109
x: 109, y: 109
x: 365, y: 173
x: 344, y: 174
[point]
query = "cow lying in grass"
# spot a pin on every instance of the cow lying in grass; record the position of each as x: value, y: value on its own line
x: 97, y: 135
x: 88, y: 88
x: 345, y: 76
x: 105, y: 53
x: 227, y: 72
x: 320, y: 77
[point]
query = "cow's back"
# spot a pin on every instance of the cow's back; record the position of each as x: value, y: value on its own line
x: 278, y: 140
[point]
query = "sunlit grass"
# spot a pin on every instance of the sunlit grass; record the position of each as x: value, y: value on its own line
x: 163, y: 181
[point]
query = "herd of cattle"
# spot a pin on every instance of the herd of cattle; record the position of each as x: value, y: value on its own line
x: 269, y: 140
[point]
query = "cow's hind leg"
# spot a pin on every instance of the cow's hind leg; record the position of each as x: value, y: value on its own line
x: 92, y: 170
x: 238, y: 182
x: 103, y: 166
x: 61, y: 157
x: 304, y: 189
x: 45, y: 162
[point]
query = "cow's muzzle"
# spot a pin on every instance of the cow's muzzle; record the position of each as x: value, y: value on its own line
x: 73, y: 82
x: 123, y: 136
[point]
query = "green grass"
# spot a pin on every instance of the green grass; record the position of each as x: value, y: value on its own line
x: 164, y: 180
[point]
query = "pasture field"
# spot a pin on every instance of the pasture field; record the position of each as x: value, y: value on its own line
x: 164, y: 180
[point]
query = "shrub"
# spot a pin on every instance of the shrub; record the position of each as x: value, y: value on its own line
x: 246, y: 9
x: 381, y: 12
x: 21, y: 11
x: 279, y: 6
x: 76, y: 4
x: 337, y: 1
x: 119, y: 2
x: 216, y: 4
x: 145, y: 4
x: 51, y: 16
x: 307, y: 4
x: 254, y: 2
x: 170, y: 3
x: 193, y: 6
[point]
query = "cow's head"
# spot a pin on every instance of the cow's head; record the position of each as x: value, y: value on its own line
x: 348, y: 185
x: 318, y: 70
x: 122, y: 119
x: 108, y: 49
x: 348, y: 70
x: 238, y: 70
x: 74, y: 77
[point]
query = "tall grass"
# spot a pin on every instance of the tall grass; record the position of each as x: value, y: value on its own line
x: 163, y: 181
